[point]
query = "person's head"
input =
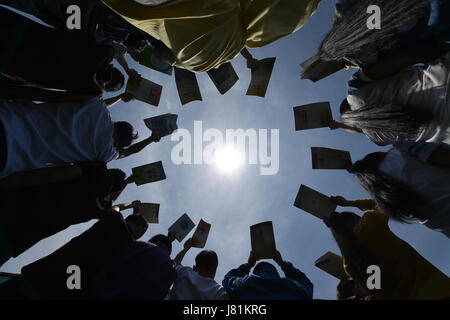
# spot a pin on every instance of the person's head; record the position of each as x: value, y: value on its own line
x: 386, y: 123
x: 266, y: 269
x: 206, y: 263
x: 114, y: 183
x: 137, y: 225
x: 393, y: 197
x: 135, y: 42
x: 163, y: 242
x: 111, y: 79
x: 124, y: 134
x: 342, y: 222
x: 354, y: 44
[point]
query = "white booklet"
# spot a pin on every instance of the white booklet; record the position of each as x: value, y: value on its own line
x: 261, y: 75
x: 224, y: 77
x: 314, y: 202
x: 325, y: 158
x: 182, y: 227
x: 187, y: 86
x: 316, y: 69
x: 149, y: 211
x: 311, y: 116
x: 201, y: 234
x: 165, y: 123
x: 145, y: 90
x: 263, y: 240
x: 332, y: 264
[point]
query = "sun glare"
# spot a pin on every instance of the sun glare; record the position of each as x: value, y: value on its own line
x: 228, y: 159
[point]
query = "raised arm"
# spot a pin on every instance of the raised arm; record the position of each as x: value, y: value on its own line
x: 251, y: 62
x: 235, y: 277
x: 125, y: 97
x: 180, y: 256
x: 364, y: 205
x: 333, y: 125
x: 137, y: 147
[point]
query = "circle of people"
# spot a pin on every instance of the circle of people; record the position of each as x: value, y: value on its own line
x: 57, y: 136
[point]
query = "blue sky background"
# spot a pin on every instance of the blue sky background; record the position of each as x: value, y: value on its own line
x: 234, y: 202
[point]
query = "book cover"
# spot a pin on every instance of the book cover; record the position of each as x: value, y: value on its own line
x: 263, y: 240
x: 224, y: 77
x: 149, y: 173
x: 149, y: 211
x: 166, y: 124
x: 187, y: 86
x: 326, y: 158
x: 145, y: 90
x: 314, y: 202
x: 312, y: 116
x: 182, y: 227
x: 332, y: 264
x: 261, y: 75
x: 201, y: 234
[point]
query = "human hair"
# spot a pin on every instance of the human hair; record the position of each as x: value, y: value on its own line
x: 393, y: 198
x: 162, y: 240
x: 124, y: 134
x: 265, y: 265
x: 116, y: 179
x: 207, y: 259
x: 386, y: 123
x: 137, y: 225
x: 350, y: 39
x: 112, y: 79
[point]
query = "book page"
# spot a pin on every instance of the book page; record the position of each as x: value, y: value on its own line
x: 187, y: 86
x: 332, y: 264
x: 263, y: 240
x: 150, y: 60
x: 311, y: 116
x: 166, y: 124
x: 149, y: 211
x: 223, y: 77
x: 201, y: 234
x: 182, y: 227
x: 145, y: 90
x: 149, y: 173
x: 314, y: 202
x: 325, y: 158
x: 261, y: 75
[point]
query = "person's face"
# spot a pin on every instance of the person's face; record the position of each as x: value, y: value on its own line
x: 137, y: 229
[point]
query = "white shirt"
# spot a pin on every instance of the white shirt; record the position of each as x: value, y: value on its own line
x: 51, y: 134
x: 420, y: 87
x: 430, y: 181
x: 189, y: 285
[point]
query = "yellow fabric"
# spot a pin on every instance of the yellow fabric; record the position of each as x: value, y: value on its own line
x: 405, y: 274
x: 203, y: 34
x: 366, y: 204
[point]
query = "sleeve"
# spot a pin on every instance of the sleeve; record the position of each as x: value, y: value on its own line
x: 357, y: 81
x: 302, y: 280
x: 366, y: 204
x: 419, y: 150
x: 235, y: 278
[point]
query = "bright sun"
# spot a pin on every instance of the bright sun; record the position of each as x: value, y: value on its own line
x: 228, y: 159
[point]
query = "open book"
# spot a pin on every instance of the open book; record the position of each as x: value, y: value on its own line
x: 201, y: 234
x: 311, y: 116
x: 325, y: 158
x: 187, y: 86
x: 316, y: 69
x: 260, y: 77
x: 150, y: 60
x: 224, y: 77
x: 263, y: 240
x: 149, y: 211
x: 149, y: 173
x: 182, y: 227
x: 165, y: 123
x: 332, y: 264
x: 314, y: 202
x: 144, y: 90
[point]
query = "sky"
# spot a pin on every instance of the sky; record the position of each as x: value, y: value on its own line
x: 232, y: 202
